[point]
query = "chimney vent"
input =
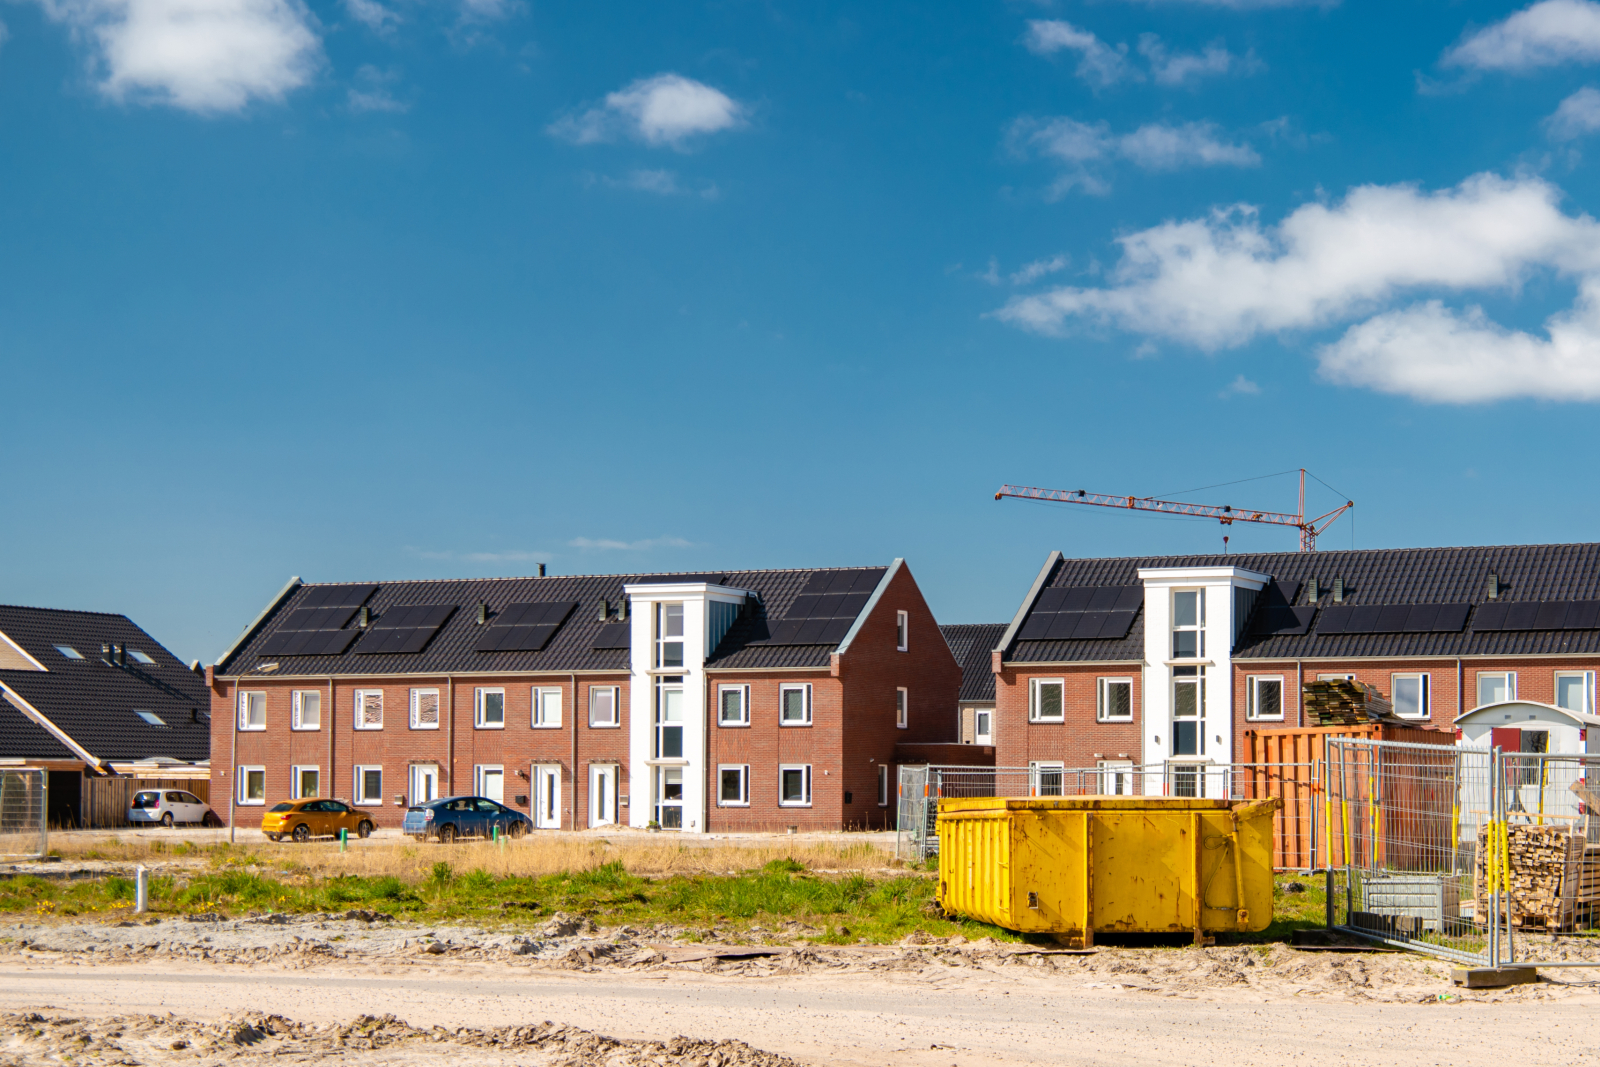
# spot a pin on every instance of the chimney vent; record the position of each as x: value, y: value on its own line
x: 605, y: 610
x: 1494, y: 587
x: 1338, y: 590
x: 622, y: 610
x: 483, y: 613
x: 105, y: 652
x: 366, y: 617
x: 119, y: 655
x: 541, y: 570
x: 1312, y: 593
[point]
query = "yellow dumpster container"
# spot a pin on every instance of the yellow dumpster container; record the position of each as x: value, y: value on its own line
x: 1071, y: 866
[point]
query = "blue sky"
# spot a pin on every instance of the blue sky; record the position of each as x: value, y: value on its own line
x: 371, y: 289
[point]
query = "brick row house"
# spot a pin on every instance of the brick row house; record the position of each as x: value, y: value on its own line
x: 1162, y: 663
x: 746, y: 700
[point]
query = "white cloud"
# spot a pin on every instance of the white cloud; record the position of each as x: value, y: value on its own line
x: 1086, y: 148
x: 1240, y: 386
x: 1098, y: 63
x: 373, y: 15
x: 1032, y: 272
x: 667, y: 109
x: 373, y: 94
x: 1546, y: 34
x: 1182, y: 68
x: 1578, y: 114
x: 610, y: 545
x: 1223, y: 280
x: 662, y: 183
x: 200, y: 55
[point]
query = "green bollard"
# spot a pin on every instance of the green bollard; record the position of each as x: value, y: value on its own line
x: 344, y: 839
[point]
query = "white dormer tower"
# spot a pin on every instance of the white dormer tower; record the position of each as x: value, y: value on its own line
x: 1193, y: 619
x: 675, y: 627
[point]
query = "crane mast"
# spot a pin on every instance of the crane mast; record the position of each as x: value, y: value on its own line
x: 1225, y: 513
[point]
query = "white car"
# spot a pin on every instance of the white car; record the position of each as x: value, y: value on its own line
x: 169, y: 807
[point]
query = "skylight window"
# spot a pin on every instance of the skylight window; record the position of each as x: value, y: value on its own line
x: 141, y: 657
x: 150, y: 717
x: 69, y: 652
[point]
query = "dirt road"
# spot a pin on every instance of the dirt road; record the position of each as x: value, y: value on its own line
x: 930, y: 1009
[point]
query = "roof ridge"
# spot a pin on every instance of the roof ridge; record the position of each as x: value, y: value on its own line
x: 70, y: 611
x: 1332, y: 551
x: 613, y: 574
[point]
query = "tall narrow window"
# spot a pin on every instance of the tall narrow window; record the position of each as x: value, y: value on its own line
x: 669, y: 635
x: 1496, y: 687
x: 1263, y: 696
x: 794, y: 705
x: 1188, y: 624
x: 252, y: 711
x: 1575, y: 691
x: 252, y: 785
x: 369, y: 709
x: 369, y: 785
x: 733, y: 789
x: 1188, y: 711
x: 1113, y: 699
x: 983, y: 734
x: 1116, y: 777
x: 305, y: 710
x: 733, y: 705
x: 546, y: 708
x: 1045, y: 699
x: 1410, y: 695
x: 794, y: 785
x: 603, y: 705
x: 902, y: 711
x: 489, y: 709
x: 902, y: 630
x: 1046, y: 779
x: 303, y: 782
x: 424, y: 709
x: 669, y: 720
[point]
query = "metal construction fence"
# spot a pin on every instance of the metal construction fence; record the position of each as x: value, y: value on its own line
x: 23, y: 811
x: 1474, y: 855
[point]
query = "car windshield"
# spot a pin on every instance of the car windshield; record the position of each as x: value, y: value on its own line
x: 147, y: 800
x: 282, y: 807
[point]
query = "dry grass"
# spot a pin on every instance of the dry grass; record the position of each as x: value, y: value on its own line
x: 528, y: 857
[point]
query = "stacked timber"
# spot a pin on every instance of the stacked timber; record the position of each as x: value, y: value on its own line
x: 1547, y: 871
x: 1342, y: 703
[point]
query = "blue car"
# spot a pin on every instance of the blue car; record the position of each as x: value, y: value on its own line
x: 448, y: 818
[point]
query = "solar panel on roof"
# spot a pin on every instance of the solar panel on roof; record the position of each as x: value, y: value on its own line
x: 1334, y: 619
x: 1116, y: 626
x: 1521, y: 616
x: 1088, y: 625
x: 1131, y: 598
x: 1282, y: 620
x: 835, y: 630
x: 1049, y: 601
x: 1077, y: 599
x: 1420, y: 618
x: 1392, y: 618
x: 337, y: 596
x: 1036, y: 627
x: 1451, y: 618
x: 405, y: 629
x: 613, y: 635
x: 1584, y: 615
x: 1551, y: 616
x: 1490, y: 616
x: 526, y: 627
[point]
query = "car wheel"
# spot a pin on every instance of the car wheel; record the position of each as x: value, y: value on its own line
x: 365, y: 829
x: 517, y: 829
x: 302, y: 834
x: 166, y: 820
x: 209, y: 819
x: 447, y: 834
x: 274, y: 837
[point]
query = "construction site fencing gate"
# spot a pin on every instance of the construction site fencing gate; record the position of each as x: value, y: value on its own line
x: 24, y: 833
x: 1479, y: 856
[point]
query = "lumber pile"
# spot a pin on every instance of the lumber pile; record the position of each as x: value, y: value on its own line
x: 1547, y: 875
x: 1342, y: 703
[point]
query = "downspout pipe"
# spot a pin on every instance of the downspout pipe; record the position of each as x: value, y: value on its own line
x: 574, y: 716
x: 233, y: 764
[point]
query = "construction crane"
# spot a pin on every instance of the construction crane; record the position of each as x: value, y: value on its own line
x: 1225, y: 514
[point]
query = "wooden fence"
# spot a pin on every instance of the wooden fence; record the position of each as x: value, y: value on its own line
x: 106, y: 800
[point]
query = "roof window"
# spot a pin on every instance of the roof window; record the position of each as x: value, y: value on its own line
x: 69, y: 652
x: 141, y: 657
x: 150, y: 717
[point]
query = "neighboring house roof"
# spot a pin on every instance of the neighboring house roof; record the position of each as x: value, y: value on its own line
x: 452, y: 648
x: 1501, y: 712
x: 1527, y: 574
x: 972, y: 644
x: 93, y: 701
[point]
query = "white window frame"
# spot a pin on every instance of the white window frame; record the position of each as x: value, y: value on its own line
x: 1252, y: 699
x: 416, y: 708
x: 981, y: 736
x: 1102, y: 705
x: 1588, y: 689
x: 247, y: 699
x: 616, y: 707
x: 803, y: 687
x: 902, y: 631
x: 804, y: 767
x: 480, y: 771
x: 544, y: 703
x: 663, y: 639
x: 902, y: 708
x: 1426, y: 693
x: 744, y: 785
x: 244, y: 785
x: 359, y: 716
x: 1198, y: 627
x: 1037, y: 769
x: 1511, y: 684
x: 479, y: 721
x: 1336, y: 677
x: 883, y: 785
x: 297, y: 709
x: 359, y: 791
x: 743, y: 692
x: 295, y: 792
x: 1034, y: 714
x: 1109, y: 768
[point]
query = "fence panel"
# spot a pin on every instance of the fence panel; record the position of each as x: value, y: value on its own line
x: 23, y: 810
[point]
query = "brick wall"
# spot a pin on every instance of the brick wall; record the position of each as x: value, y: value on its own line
x: 765, y: 745
x: 1077, y: 741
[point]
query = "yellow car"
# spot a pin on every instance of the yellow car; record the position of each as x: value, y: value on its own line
x: 302, y: 820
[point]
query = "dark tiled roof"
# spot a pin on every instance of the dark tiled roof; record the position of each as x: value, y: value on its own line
x: 22, y: 738
x: 451, y: 649
x: 1371, y: 576
x: 971, y: 644
x: 93, y: 701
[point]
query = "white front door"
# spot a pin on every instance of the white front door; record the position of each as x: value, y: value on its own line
x: 491, y: 783
x: 547, y: 806
x: 602, y: 794
x: 424, y: 782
